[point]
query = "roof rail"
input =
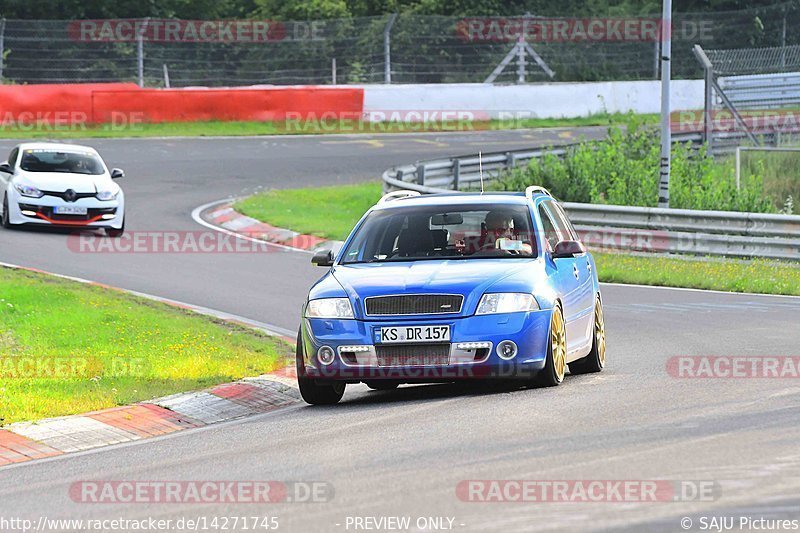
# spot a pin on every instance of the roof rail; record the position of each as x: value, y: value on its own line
x: 396, y: 195
x: 529, y: 191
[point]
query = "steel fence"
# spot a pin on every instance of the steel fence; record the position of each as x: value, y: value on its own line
x: 399, y: 49
x: 614, y: 227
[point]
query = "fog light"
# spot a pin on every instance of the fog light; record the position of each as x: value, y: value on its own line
x: 326, y: 355
x: 28, y: 213
x: 507, y: 350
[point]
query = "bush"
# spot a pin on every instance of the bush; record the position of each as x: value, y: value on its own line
x: 624, y: 170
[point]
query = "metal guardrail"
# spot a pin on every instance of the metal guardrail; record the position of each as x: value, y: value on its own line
x: 645, y: 229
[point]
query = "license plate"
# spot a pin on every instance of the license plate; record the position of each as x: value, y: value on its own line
x: 415, y: 334
x: 69, y: 210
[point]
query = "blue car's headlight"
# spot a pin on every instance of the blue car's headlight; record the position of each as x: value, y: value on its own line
x: 329, y: 308
x: 506, y: 302
x: 28, y: 190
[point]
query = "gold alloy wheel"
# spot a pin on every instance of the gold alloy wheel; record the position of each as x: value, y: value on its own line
x: 558, y: 344
x: 600, y: 333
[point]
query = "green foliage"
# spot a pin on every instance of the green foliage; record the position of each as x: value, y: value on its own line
x: 623, y: 170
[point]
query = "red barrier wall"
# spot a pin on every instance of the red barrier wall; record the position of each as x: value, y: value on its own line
x: 183, y: 105
x: 52, y: 103
x: 116, y: 102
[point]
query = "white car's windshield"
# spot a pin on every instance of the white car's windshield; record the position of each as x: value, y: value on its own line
x: 443, y: 232
x: 54, y: 161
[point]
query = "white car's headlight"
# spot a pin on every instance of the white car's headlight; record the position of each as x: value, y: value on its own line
x: 28, y: 190
x: 506, y: 302
x: 329, y: 308
x: 107, y: 195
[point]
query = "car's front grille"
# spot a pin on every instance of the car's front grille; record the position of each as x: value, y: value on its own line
x: 412, y: 354
x: 47, y: 211
x: 414, y: 304
x: 70, y: 197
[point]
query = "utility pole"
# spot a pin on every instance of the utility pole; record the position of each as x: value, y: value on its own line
x: 666, y: 136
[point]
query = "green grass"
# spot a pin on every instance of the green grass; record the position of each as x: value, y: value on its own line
x: 67, y: 347
x: 240, y: 128
x: 779, y: 172
x: 309, y: 211
x: 328, y: 212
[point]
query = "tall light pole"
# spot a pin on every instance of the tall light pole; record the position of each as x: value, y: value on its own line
x: 666, y: 136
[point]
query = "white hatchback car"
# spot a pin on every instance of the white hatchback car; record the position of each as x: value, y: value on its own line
x: 61, y: 185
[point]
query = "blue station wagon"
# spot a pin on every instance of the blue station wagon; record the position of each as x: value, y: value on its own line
x: 446, y: 287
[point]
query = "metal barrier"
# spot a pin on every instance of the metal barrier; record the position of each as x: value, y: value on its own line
x: 614, y: 227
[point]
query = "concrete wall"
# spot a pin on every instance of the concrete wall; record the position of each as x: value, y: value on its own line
x: 545, y: 100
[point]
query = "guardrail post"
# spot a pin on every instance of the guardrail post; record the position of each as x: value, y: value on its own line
x: 421, y: 174
x: 399, y: 175
x: 511, y: 160
x: 456, y: 173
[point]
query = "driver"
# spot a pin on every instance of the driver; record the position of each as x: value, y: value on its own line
x: 500, y: 225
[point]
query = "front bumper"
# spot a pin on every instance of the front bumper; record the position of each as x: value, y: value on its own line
x: 529, y: 331
x: 40, y: 211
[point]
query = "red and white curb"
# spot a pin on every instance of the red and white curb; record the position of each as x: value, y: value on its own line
x: 222, y: 216
x: 26, y: 441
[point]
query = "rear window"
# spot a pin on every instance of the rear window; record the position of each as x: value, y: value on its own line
x: 443, y: 232
x: 54, y: 161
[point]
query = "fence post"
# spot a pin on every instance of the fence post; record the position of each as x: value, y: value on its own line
x: 456, y: 173
x: 387, y: 49
x: 520, y: 62
x: 166, y: 76
x: 2, y: 46
x: 708, y: 106
x: 421, y: 174
x: 333, y: 71
x: 140, y: 52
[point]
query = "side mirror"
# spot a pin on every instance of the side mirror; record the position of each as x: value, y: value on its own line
x: 568, y: 249
x: 323, y: 258
x: 5, y: 167
x: 117, y: 173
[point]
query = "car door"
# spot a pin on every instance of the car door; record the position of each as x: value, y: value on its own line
x: 579, y: 312
x: 565, y: 272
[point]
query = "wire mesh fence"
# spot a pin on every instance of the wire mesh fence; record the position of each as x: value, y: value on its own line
x: 404, y: 49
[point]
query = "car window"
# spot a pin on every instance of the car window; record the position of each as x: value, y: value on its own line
x: 12, y: 158
x: 451, y: 231
x: 551, y: 235
x: 55, y: 161
x: 562, y: 222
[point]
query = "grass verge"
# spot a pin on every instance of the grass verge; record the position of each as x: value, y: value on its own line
x: 290, y: 127
x: 309, y: 211
x: 67, y: 347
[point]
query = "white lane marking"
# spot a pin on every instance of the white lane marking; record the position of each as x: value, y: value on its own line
x: 197, y: 218
x: 711, y: 291
x: 269, y: 329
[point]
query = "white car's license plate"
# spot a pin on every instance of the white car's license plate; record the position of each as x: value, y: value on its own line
x: 69, y: 210
x: 415, y: 334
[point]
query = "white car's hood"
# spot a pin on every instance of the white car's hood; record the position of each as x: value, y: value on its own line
x: 61, y: 181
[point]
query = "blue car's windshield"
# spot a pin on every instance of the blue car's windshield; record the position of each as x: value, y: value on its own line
x: 443, y: 232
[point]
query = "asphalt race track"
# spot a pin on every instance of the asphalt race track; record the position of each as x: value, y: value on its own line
x: 403, y: 452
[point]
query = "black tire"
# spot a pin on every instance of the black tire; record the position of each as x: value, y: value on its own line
x: 550, y: 376
x: 312, y: 391
x: 596, y: 360
x: 6, y: 217
x: 116, y: 233
x: 382, y: 385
